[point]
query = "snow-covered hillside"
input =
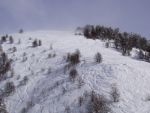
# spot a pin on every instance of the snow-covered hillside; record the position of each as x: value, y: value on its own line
x: 42, y: 85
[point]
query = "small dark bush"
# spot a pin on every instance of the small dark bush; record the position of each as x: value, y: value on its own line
x: 54, y: 54
x: 5, y: 64
x: 14, y: 49
x: 34, y: 43
x: 21, y: 31
x: 107, y: 44
x: 3, y: 39
x: 11, y: 40
x: 147, y: 98
x: 49, y: 55
x: 6, y: 35
x: 98, y: 104
x: 24, y: 57
x: 80, y: 101
x: 74, y: 58
x: 115, y: 94
x: 98, y: 58
x: 73, y: 74
x: 24, y: 81
x: 1, y: 49
x: 9, y: 88
x: 40, y: 42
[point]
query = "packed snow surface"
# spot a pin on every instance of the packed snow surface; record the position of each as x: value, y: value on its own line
x: 49, y: 88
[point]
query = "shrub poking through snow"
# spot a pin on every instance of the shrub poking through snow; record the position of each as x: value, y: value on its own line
x: 40, y: 42
x: 24, y: 81
x: 74, y: 58
x: 34, y: 43
x: 24, y: 57
x: 98, y: 104
x: 3, y: 39
x: 6, y: 35
x: 73, y: 74
x: 30, y: 38
x: 80, y: 101
x: 9, y: 88
x: 107, y: 44
x: 11, y: 40
x: 1, y: 49
x: 4, y: 64
x: 21, y: 31
x: 78, y: 52
x: 98, y: 58
x: 14, y: 49
x: 54, y: 54
x: 51, y: 55
x: 115, y: 94
x: 147, y: 98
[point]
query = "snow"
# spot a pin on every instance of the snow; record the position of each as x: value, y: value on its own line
x: 50, y: 90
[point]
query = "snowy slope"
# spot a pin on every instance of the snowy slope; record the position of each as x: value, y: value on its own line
x: 49, y: 89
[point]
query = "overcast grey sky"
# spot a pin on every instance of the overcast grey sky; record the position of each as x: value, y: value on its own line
x: 128, y: 15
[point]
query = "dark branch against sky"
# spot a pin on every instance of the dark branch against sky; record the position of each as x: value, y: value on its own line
x: 128, y: 15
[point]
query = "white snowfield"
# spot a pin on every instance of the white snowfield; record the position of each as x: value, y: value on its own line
x: 49, y: 89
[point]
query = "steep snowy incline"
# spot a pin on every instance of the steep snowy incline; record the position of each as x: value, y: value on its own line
x: 44, y: 86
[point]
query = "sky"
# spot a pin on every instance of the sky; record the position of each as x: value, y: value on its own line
x: 128, y: 15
